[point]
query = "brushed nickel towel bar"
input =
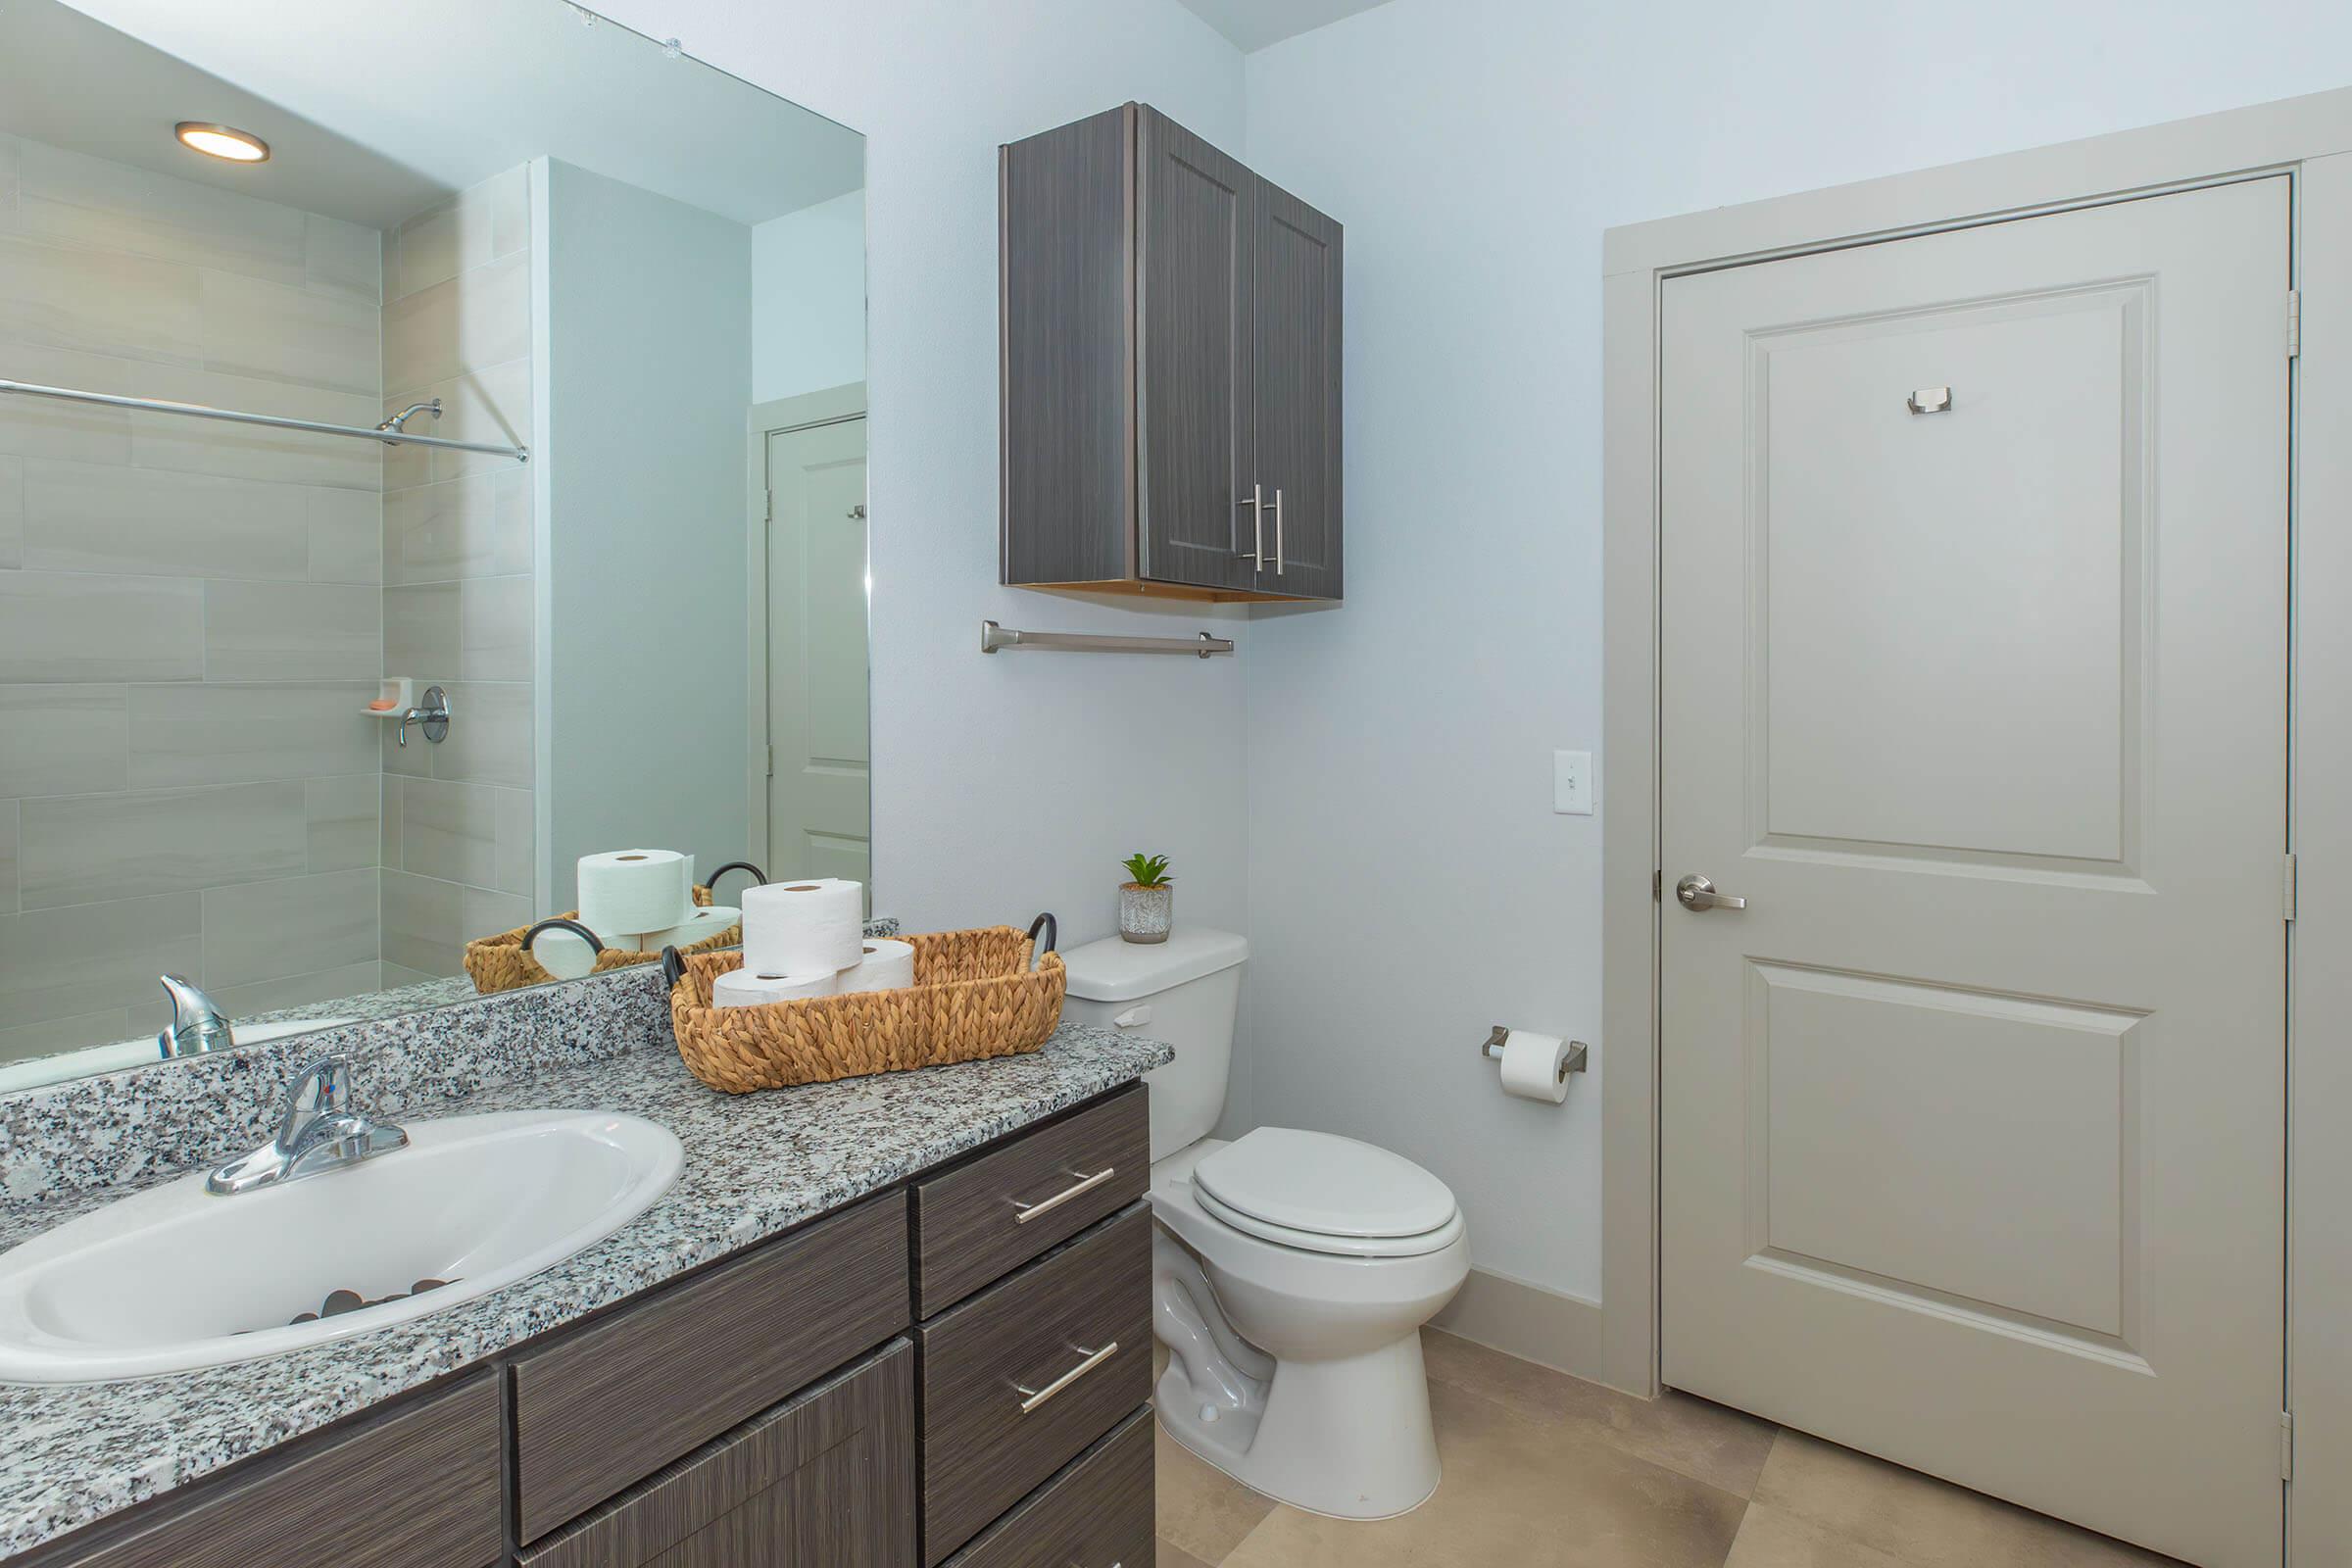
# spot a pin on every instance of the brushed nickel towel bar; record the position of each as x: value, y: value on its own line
x: 994, y: 637
x: 393, y: 438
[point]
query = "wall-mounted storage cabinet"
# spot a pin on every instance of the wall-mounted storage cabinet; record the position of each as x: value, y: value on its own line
x: 1171, y: 369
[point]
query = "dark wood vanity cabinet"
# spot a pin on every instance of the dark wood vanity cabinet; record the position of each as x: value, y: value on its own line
x: 954, y: 1369
x: 1171, y: 355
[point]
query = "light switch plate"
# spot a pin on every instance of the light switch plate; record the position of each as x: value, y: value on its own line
x: 1571, y: 783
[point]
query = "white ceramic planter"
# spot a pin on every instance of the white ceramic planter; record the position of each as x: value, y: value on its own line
x: 1145, y: 913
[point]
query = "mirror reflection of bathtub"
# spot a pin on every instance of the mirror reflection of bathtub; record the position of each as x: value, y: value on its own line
x: 520, y: 513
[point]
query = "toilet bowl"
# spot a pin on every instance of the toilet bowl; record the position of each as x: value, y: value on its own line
x: 1291, y: 1269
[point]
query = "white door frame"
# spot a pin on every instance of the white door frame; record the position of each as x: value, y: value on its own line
x: 834, y: 404
x: 2308, y: 138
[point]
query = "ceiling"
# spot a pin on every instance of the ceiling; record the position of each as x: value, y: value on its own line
x: 1255, y: 24
x: 374, y: 123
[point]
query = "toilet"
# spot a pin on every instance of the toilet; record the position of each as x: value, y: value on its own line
x: 1291, y: 1271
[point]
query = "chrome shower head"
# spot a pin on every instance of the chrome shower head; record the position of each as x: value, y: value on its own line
x: 400, y: 421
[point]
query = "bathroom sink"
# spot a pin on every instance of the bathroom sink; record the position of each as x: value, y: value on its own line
x: 176, y: 1277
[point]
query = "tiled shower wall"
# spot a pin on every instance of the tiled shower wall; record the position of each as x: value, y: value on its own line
x: 191, y: 612
x: 458, y: 584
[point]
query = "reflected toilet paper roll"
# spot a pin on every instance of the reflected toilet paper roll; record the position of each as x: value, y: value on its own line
x: 624, y: 892
x: 1531, y: 1065
x: 751, y: 988
x: 700, y: 926
x: 888, y: 965
x: 817, y: 923
x: 563, y: 955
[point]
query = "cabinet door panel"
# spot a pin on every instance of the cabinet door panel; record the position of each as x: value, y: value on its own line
x: 1295, y: 287
x: 1192, y: 324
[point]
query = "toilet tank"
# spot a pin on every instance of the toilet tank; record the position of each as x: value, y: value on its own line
x: 1183, y: 991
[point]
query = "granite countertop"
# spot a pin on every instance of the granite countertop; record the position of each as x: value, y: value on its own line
x: 756, y: 1164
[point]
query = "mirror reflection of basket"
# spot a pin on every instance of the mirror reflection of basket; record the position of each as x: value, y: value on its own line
x: 502, y: 963
x: 975, y: 995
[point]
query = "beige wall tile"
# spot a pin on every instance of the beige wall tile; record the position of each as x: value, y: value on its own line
x: 492, y: 405
x: 292, y: 631
x: 494, y: 628
x: 292, y: 335
x: 421, y: 631
x: 396, y: 976
x: 517, y: 829
x: 340, y: 258
x: 70, y: 738
x: 478, y: 526
x: 91, y: 516
x: 392, y: 842
x: 8, y: 857
x: 449, y: 830
x: 29, y: 1040
x: 346, y: 535
x: 251, y: 451
x: 299, y: 925
x: 69, y: 626
x: 340, y: 821
x: 485, y: 913
x: 298, y: 991
x: 70, y: 198
x: 61, y: 964
x: 12, y: 513
x: 125, y: 306
x: 475, y: 320
x: 40, y: 428
x: 192, y: 733
x: 421, y: 923
x: 84, y: 848
x: 484, y: 221
x: 489, y: 735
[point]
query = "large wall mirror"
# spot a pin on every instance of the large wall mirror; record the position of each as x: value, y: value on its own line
x: 429, y: 454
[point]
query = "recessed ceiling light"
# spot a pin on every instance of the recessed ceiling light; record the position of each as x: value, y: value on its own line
x: 222, y: 141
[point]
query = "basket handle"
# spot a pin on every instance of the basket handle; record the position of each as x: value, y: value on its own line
x: 757, y: 875
x: 532, y: 935
x: 673, y: 967
x: 1053, y: 930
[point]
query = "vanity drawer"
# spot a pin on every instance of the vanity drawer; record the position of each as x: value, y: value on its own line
x: 606, y: 1407
x: 824, y: 1481
x: 1095, y: 1515
x: 968, y: 1222
x: 1038, y: 1330
x: 416, y: 1489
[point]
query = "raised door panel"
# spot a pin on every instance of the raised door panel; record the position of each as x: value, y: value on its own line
x: 1195, y: 523
x: 1294, y: 444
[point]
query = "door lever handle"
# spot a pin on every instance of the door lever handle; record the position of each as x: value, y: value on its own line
x: 1697, y: 893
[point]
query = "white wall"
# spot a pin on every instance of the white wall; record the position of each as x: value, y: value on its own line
x: 643, y: 465
x: 1006, y: 784
x: 808, y: 299
x: 1398, y: 749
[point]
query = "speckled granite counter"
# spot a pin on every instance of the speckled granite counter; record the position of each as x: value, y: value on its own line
x: 756, y: 1164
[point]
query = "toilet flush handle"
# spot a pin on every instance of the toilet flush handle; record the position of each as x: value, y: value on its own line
x: 1133, y: 1017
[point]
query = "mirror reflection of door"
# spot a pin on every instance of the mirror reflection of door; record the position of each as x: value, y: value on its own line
x: 815, y: 459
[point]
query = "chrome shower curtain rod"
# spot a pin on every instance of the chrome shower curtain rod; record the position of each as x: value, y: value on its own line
x: 199, y: 411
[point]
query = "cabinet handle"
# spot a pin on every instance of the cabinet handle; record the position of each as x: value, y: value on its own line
x: 1093, y: 1359
x: 1085, y: 1184
x: 1278, y: 531
x: 1257, y: 553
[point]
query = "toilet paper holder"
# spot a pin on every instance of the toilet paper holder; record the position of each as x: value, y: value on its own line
x: 1573, y: 1062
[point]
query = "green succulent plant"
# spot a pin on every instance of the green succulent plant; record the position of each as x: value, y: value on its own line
x: 1148, y: 871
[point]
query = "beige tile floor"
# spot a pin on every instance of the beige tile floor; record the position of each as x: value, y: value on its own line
x: 1542, y: 1469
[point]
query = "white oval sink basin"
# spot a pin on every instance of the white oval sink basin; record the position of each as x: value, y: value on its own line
x: 176, y: 1277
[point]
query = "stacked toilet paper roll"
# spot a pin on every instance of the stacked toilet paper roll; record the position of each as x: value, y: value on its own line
x: 701, y: 924
x: 749, y: 988
x: 814, y: 926
x: 887, y: 965
x: 626, y: 892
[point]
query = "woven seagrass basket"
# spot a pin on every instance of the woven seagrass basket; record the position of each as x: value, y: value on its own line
x: 975, y: 995
x: 503, y: 963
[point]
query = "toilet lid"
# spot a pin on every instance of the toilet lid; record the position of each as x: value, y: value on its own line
x: 1321, y: 1185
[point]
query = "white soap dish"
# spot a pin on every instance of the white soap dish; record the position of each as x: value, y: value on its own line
x: 395, y: 700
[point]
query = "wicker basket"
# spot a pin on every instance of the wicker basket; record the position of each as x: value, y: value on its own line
x: 503, y: 963
x: 974, y: 996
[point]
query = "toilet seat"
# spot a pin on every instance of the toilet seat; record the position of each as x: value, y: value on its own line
x: 1319, y: 1193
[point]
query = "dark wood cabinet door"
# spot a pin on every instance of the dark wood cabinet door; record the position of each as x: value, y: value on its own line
x: 1293, y: 259
x: 1195, y: 522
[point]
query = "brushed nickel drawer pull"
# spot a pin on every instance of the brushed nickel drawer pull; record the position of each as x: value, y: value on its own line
x: 1093, y: 1359
x: 1085, y: 1184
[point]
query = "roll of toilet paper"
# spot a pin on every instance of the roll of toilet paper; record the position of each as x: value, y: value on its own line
x: 563, y: 955
x: 1531, y: 1066
x: 804, y: 927
x: 888, y: 965
x: 751, y: 988
x: 624, y: 892
x: 700, y: 926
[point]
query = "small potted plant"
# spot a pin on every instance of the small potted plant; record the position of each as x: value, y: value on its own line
x: 1147, y: 903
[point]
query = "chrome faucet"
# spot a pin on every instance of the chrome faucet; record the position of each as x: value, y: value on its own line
x: 319, y: 1132
x: 197, y: 1022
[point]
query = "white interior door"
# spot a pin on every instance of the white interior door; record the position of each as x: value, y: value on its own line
x: 818, y: 821
x: 1973, y: 1117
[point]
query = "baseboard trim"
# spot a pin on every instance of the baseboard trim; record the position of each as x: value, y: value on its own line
x: 1546, y: 1327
